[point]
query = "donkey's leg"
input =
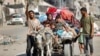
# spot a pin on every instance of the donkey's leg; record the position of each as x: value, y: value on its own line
x: 47, y: 50
x: 42, y: 54
x: 50, y: 49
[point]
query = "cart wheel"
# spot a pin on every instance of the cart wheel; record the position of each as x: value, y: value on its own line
x: 68, y: 49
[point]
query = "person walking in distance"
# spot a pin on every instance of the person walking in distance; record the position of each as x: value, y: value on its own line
x: 88, y: 31
x: 33, y: 24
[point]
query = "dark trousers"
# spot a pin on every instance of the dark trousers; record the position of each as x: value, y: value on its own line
x: 88, y: 41
x: 30, y: 44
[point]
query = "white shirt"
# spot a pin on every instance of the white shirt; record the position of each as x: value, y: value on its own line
x: 32, y: 24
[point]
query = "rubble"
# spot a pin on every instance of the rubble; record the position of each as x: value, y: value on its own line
x: 5, y: 40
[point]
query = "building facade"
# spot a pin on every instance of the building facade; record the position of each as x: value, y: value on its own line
x: 2, y: 15
x: 13, y: 3
x: 10, y: 7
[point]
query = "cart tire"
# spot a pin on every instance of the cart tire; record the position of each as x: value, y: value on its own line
x: 68, y: 49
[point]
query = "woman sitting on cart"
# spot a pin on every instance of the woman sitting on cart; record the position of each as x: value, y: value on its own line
x: 62, y: 28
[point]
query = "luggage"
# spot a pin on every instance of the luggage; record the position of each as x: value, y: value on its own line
x: 59, y: 32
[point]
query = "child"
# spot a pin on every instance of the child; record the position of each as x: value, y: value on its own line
x: 54, y: 32
x: 80, y: 41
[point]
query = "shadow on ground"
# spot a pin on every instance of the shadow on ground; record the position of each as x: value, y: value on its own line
x: 21, y: 55
x: 52, y: 54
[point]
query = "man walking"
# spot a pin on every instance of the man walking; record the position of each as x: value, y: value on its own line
x: 88, y: 31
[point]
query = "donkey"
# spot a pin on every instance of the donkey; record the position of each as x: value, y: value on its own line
x: 39, y: 44
x: 43, y: 42
x: 48, y: 36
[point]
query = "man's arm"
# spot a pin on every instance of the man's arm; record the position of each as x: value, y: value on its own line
x: 26, y: 12
x: 92, y: 27
x: 81, y: 23
x: 92, y: 31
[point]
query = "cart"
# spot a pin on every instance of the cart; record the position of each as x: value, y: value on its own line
x: 66, y: 47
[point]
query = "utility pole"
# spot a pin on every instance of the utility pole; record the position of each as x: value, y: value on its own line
x: 37, y: 2
x: 1, y: 12
x: 60, y: 3
x: 70, y: 3
x: 15, y: 5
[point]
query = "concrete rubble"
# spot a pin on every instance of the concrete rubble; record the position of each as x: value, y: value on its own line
x: 5, y: 40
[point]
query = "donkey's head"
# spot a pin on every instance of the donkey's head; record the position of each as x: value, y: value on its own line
x: 39, y: 40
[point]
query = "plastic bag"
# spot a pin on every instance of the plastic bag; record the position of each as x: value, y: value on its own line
x: 66, y: 35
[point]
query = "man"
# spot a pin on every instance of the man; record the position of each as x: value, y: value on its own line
x: 88, y: 30
x: 33, y: 25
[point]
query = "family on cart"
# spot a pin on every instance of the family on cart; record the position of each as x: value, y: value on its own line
x: 51, y: 35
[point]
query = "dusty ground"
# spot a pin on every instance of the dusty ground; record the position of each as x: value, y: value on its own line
x: 18, y: 48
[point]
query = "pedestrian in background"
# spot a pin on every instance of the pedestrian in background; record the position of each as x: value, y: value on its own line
x: 88, y: 31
